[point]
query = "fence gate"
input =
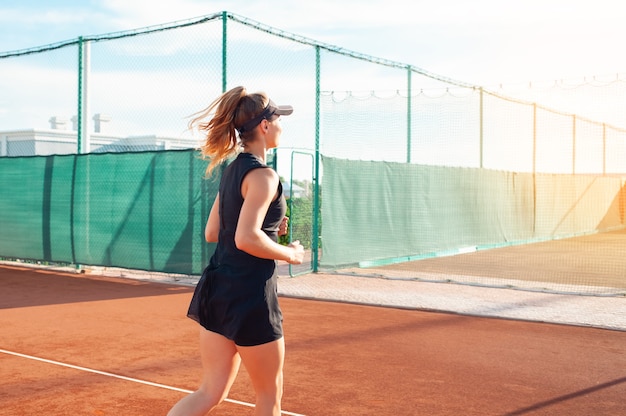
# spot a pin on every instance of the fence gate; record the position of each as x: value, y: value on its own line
x: 299, y: 192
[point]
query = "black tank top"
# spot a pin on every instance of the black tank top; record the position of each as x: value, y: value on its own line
x: 230, y: 205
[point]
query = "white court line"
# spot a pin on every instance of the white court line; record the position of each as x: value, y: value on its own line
x: 134, y: 380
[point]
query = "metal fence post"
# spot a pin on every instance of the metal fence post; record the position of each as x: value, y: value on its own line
x: 603, y: 148
x: 573, y: 144
x: 224, y: 48
x: 316, y: 185
x: 480, y: 132
x: 408, y: 115
x: 82, y: 133
x: 534, y: 138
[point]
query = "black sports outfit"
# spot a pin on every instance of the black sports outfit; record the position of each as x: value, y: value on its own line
x: 237, y: 293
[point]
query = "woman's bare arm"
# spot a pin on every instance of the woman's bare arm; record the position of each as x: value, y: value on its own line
x: 212, y: 229
x: 259, y: 189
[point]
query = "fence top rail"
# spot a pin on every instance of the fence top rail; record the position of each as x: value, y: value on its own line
x: 242, y: 20
x: 554, y: 111
x: 342, y: 51
x: 113, y: 35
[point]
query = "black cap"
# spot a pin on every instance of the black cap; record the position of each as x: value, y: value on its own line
x: 269, y: 111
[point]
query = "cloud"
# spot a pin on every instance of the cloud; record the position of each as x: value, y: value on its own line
x: 134, y: 14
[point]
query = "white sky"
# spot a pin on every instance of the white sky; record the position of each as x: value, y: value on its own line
x: 483, y: 42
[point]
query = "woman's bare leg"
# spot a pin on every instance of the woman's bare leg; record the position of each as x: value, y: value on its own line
x: 220, y: 364
x: 264, y: 364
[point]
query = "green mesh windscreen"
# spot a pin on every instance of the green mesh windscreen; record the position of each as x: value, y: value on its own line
x: 142, y: 210
x: 385, y: 211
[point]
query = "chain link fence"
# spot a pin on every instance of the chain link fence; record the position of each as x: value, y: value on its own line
x: 133, y: 91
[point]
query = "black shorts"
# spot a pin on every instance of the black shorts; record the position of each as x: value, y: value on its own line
x: 242, y: 306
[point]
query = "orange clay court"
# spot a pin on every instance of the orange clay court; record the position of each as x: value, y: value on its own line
x: 80, y: 344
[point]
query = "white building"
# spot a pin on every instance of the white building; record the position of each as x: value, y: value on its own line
x: 298, y: 191
x: 60, y: 139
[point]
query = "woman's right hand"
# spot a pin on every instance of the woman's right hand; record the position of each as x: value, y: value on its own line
x: 298, y: 252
